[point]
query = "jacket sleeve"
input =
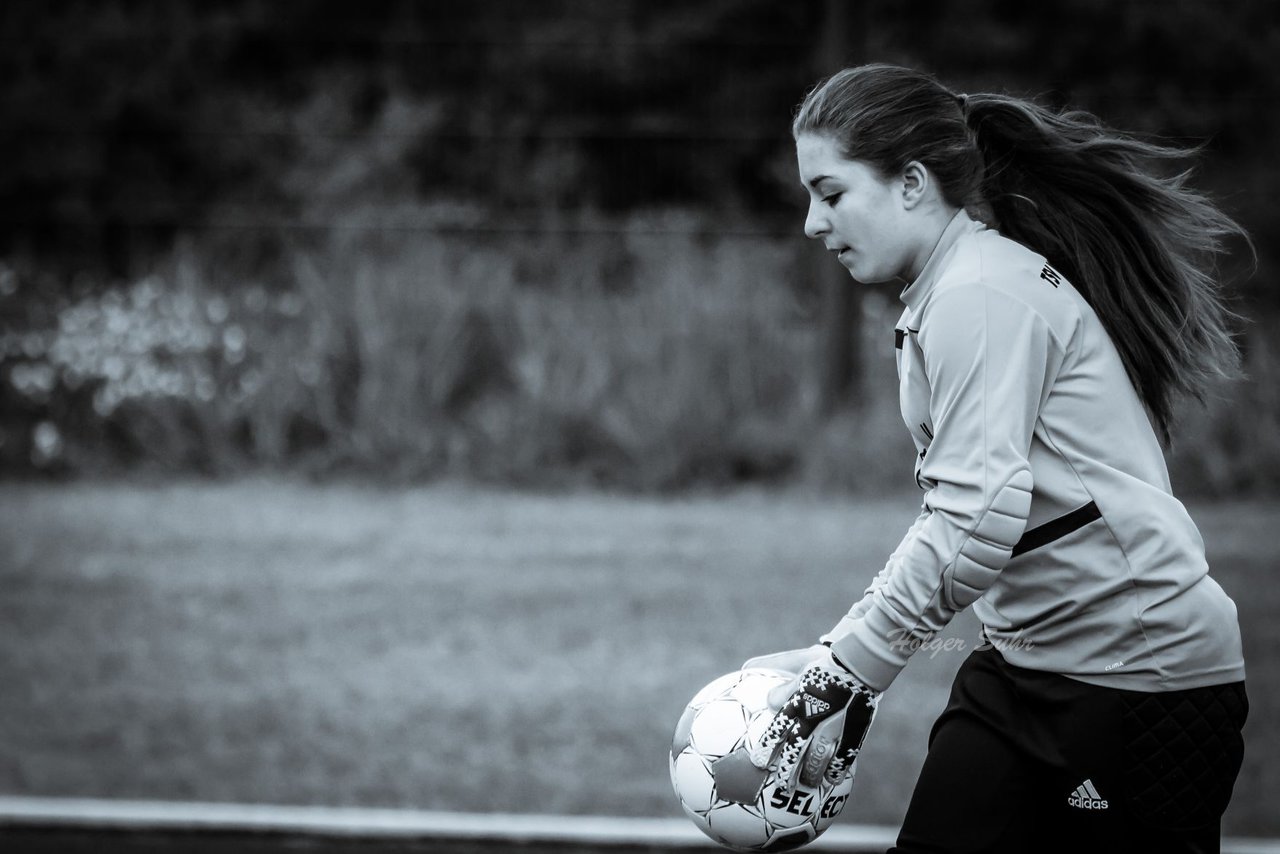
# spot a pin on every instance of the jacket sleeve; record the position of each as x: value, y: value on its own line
x: 990, y: 360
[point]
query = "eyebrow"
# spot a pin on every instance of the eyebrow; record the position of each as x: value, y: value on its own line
x: 814, y: 182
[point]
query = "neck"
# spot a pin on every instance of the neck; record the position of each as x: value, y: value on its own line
x: 936, y: 221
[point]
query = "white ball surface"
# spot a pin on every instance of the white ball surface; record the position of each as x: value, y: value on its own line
x: 727, y: 717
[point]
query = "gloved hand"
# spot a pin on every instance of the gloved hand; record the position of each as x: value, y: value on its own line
x: 822, y: 718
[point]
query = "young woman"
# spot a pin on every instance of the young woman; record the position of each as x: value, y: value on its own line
x: 1059, y: 300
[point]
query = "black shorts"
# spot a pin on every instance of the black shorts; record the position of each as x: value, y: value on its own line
x: 1024, y: 761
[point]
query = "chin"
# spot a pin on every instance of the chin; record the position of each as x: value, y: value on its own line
x: 869, y: 277
x: 855, y: 272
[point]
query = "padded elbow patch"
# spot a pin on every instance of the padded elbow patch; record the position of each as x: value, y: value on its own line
x: 988, y: 548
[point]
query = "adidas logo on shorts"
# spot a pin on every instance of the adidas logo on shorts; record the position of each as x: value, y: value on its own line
x: 1086, y: 797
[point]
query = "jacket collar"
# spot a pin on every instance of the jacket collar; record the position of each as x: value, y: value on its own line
x: 961, y: 225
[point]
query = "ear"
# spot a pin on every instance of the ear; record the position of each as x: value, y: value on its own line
x: 915, y: 184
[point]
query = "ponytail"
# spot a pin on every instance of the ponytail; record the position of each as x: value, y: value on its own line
x: 1140, y: 246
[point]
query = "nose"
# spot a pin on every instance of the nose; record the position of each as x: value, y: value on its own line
x: 815, y: 221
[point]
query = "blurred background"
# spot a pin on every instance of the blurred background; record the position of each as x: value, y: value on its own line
x: 352, y: 352
x: 539, y: 243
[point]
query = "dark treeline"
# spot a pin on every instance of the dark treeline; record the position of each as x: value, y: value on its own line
x: 264, y: 158
x: 142, y: 117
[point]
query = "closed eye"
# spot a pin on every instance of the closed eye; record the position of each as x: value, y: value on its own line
x: 832, y: 199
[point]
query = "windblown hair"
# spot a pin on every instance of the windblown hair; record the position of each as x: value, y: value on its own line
x: 1139, y: 245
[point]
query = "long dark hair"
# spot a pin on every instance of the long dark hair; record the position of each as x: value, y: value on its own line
x: 1140, y: 246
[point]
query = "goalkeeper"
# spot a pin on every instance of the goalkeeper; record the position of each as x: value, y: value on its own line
x: 1058, y: 303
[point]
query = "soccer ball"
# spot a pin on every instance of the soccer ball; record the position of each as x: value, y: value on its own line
x: 730, y: 801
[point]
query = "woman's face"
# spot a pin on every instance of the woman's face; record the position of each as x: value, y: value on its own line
x: 856, y: 212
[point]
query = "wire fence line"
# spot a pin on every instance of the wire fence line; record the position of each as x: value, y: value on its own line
x: 528, y: 228
x: 561, y: 134
x: 588, y: 131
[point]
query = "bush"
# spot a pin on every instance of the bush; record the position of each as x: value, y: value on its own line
x: 640, y: 353
x: 644, y: 356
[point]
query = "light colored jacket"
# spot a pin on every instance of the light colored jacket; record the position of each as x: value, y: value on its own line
x: 1047, y: 503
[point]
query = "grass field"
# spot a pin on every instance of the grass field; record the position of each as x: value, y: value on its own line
x: 456, y: 648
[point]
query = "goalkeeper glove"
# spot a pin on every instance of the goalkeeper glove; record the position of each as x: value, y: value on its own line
x: 823, y: 717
